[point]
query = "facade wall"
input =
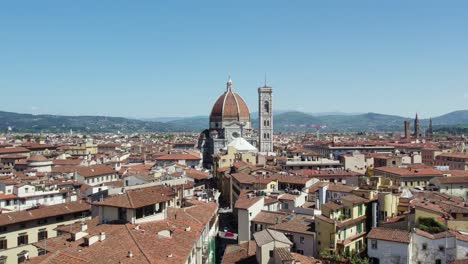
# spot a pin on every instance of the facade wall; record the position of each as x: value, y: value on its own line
x: 32, y: 228
x: 432, y: 251
x: 389, y: 252
x: 455, y: 189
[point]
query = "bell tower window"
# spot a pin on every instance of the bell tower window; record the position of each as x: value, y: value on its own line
x: 266, y: 106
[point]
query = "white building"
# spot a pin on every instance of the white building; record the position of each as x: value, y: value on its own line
x: 389, y: 246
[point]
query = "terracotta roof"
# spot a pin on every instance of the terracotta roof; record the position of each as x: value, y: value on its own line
x: 338, y: 187
x: 354, y: 199
x: 144, y: 243
x: 196, y: 174
x: 243, y: 253
x: 37, y: 158
x: 70, y: 162
x: 454, y: 155
x: 176, y: 157
x: 229, y: 106
x: 269, y: 217
x: 95, y: 170
x: 296, y: 223
x: 13, y: 150
x: 434, y: 236
x: 453, y: 179
x: 43, y: 212
x: 287, y: 197
x: 409, y: 172
x: 387, y: 234
x: 137, y: 198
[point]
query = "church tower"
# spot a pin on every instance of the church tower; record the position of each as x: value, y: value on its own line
x: 416, y: 126
x: 265, y: 119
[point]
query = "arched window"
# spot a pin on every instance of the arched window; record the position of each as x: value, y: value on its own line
x: 266, y: 106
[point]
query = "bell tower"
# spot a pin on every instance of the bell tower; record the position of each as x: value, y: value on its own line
x: 265, y: 118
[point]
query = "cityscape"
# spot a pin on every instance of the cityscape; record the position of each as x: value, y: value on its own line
x: 252, y: 169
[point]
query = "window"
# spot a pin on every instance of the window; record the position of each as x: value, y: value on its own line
x: 42, y: 221
x: 438, y: 261
x: 441, y: 248
x: 374, y: 244
x: 148, y: 210
x: 41, y: 251
x: 360, y: 209
x: 301, y: 239
x: 359, y: 228
x: 271, y: 253
x: 3, y: 243
x: 266, y: 106
x: 42, y: 234
x: 22, y: 239
x: 22, y: 257
x: 3, y: 260
x: 424, y: 246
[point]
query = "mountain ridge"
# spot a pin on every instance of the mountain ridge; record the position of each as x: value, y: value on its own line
x: 289, y: 121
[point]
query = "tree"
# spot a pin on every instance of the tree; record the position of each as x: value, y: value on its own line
x: 430, y: 225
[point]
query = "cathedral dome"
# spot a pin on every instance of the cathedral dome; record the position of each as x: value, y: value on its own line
x: 230, y: 107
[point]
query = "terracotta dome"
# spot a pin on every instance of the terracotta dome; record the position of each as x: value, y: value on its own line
x: 230, y: 107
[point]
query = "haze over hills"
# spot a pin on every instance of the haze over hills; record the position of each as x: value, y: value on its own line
x: 290, y: 121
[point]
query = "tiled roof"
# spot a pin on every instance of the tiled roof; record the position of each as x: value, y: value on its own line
x: 13, y: 150
x: 296, y: 223
x: 47, y: 211
x: 95, y: 170
x: 409, y: 172
x: 243, y: 253
x: 453, y: 179
x: 176, y: 157
x: 354, y: 199
x: 144, y: 243
x: 269, y: 217
x: 267, y: 235
x: 387, y: 234
x: 137, y: 198
x: 434, y: 236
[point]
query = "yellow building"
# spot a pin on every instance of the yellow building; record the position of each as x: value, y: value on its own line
x: 222, y: 164
x: 83, y: 148
x: 20, y: 230
x: 342, y: 226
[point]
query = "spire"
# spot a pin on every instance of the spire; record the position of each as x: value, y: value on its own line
x: 416, y: 116
x: 229, y: 84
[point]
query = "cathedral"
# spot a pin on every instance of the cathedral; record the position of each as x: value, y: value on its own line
x: 230, y: 123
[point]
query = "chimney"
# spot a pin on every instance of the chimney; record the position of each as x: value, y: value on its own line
x: 102, y: 236
x: 130, y: 254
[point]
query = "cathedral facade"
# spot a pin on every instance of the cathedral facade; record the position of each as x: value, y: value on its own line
x: 229, y: 120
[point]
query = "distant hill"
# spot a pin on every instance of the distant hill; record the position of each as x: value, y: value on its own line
x: 85, y: 124
x: 453, y: 118
x: 291, y: 121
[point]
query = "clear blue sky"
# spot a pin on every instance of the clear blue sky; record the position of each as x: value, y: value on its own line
x: 172, y: 58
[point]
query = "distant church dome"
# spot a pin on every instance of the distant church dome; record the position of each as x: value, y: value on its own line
x: 230, y: 107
